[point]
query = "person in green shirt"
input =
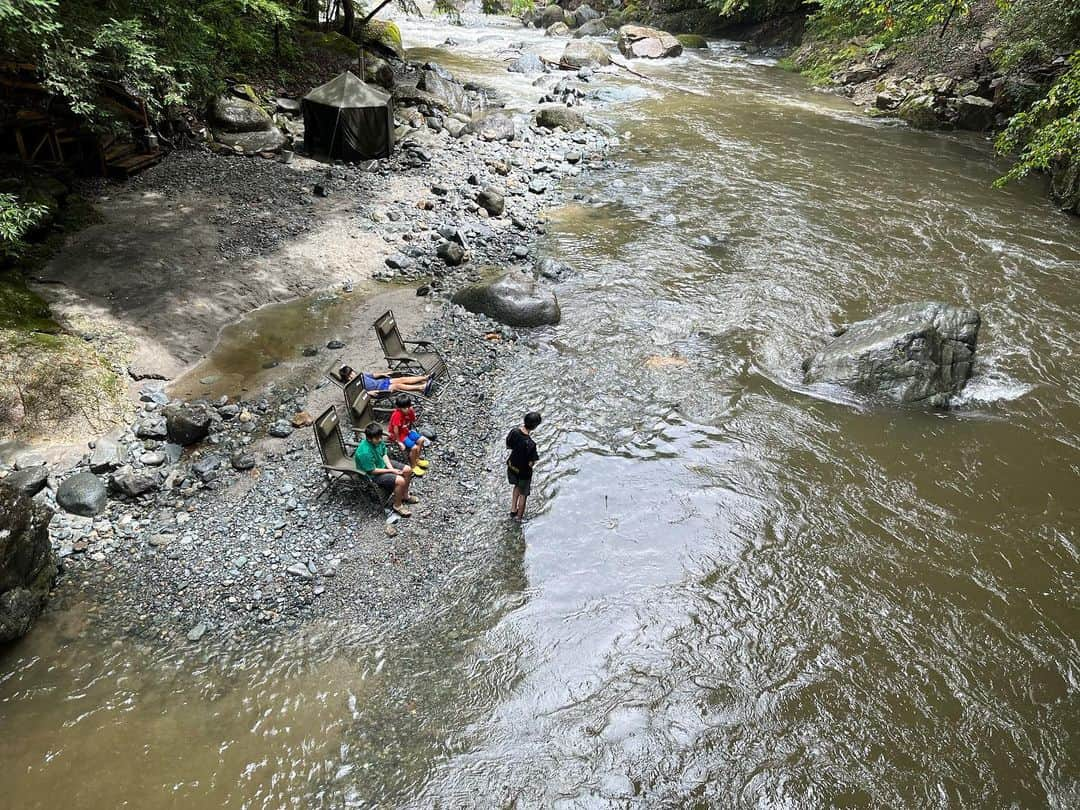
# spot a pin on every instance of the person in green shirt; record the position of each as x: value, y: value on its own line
x: 371, y: 459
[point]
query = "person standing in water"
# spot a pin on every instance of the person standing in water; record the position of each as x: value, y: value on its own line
x: 519, y: 467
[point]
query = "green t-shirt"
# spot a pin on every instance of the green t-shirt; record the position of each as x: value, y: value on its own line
x: 369, y: 456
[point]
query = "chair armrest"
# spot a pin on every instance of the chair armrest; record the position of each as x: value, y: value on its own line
x: 420, y: 343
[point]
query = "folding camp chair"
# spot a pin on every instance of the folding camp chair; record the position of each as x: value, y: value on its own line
x: 424, y: 359
x: 334, y: 377
x: 362, y: 407
x: 337, y: 456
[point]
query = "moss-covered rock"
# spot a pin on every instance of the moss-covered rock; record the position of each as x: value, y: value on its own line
x: 919, y: 111
x: 693, y: 41
x: 385, y: 34
x: 22, y: 309
x: 331, y: 42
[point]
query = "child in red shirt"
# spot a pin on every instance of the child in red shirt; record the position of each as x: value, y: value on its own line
x: 401, y: 430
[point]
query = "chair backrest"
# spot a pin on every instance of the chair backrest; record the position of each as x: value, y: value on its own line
x: 389, y: 336
x: 328, y: 435
x: 332, y: 373
x: 356, y: 399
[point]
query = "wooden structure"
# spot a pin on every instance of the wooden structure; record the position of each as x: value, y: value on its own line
x: 40, y: 128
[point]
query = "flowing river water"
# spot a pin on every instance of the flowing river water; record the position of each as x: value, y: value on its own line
x: 734, y: 591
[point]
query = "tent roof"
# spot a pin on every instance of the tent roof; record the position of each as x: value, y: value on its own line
x: 348, y: 92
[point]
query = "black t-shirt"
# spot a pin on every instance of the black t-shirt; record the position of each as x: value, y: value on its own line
x: 522, y: 451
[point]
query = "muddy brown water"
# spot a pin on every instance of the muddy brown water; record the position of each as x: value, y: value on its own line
x: 733, y: 591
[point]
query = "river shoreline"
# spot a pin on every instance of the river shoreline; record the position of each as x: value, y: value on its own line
x: 203, y: 240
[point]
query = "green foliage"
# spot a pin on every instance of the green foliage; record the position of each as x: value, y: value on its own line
x: 1047, y: 135
x: 887, y: 21
x: 519, y: 7
x: 17, y: 218
x: 165, y: 51
x: 1032, y: 31
x: 753, y: 10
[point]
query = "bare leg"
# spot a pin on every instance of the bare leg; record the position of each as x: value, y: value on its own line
x: 521, y: 506
x: 407, y: 383
x: 412, y: 388
x: 401, y: 491
x: 414, y: 455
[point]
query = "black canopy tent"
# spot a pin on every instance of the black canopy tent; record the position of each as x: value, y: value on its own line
x: 349, y: 120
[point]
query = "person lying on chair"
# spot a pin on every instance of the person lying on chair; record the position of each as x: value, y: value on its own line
x: 379, y: 381
x: 371, y: 459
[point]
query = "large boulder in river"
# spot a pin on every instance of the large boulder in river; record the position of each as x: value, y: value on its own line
x: 581, y: 53
x: 641, y: 42
x: 82, y: 494
x: 910, y: 353
x: 27, y: 562
x: 231, y: 114
x: 511, y: 297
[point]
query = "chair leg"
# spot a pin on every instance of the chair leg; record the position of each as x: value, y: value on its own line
x: 330, y: 481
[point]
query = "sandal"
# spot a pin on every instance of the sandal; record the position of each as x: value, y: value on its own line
x: 401, y: 510
x: 428, y: 385
x: 412, y: 499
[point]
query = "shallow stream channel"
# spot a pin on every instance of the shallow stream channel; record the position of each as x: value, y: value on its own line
x: 733, y: 591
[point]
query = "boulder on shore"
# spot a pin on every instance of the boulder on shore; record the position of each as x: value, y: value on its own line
x: 29, y: 480
x: 581, y: 53
x: 492, y: 201
x: 384, y: 35
x: 553, y: 116
x: 82, y: 494
x: 550, y: 15
x: 512, y: 297
x: 495, y: 126
x: 132, y: 482
x: 911, y: 353
x: 27, y: 563
x: 641, y: 42
x: 186, y: 424
x: 251, y: 143
x: 231, y: 114
x: 449, y: 94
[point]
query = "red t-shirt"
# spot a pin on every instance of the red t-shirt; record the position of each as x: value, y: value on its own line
x: 401, y: 423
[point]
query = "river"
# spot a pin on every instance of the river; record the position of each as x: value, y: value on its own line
x: 733, y: 590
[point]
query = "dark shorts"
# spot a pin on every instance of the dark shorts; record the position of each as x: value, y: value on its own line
x: 523, y: 483
x: 386, y: 480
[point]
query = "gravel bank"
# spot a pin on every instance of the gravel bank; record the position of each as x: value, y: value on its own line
x: 229, y: 535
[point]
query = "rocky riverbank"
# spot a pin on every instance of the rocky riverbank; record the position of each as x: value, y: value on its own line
x: 227, y: 529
